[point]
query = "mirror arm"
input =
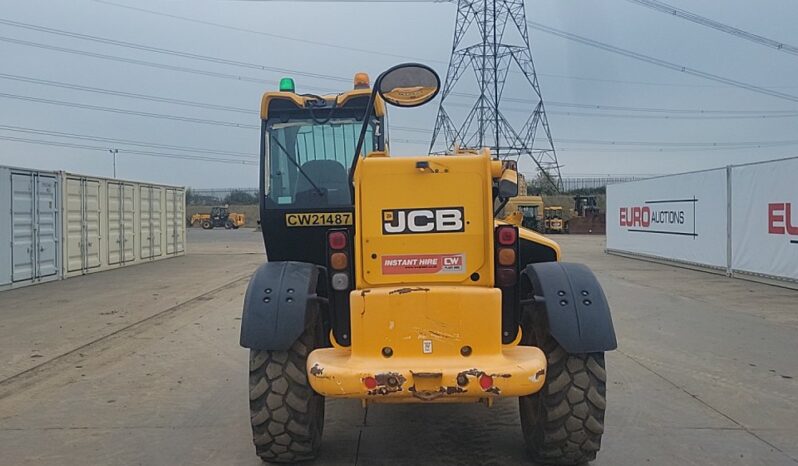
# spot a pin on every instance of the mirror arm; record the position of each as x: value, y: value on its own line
x: 501, y: 205
x: 362, y: 138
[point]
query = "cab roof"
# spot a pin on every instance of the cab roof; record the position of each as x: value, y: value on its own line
x: 300, y: 100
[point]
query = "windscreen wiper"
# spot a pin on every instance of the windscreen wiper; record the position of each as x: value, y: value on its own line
x: 288, y: 154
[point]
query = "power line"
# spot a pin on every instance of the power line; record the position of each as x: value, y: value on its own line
x: 703, y: 21
x: 665, y: 150
x: 378, y: 52
x: 129, y: 112
x: 400, y: 128
x: 661, y: 63
x: 176, y: 53
x: 667, y: 144
x: 262, y: 33
x: 132, y: 152
x: 337, y: 78
x: 182, y: 69
x: 668, y: 117
x: 20, y: 129
x: 393, y: 127
x: 705, y: 114
x: 131, y: 95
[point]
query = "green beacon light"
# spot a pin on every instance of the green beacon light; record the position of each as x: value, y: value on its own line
x: 287, y: 85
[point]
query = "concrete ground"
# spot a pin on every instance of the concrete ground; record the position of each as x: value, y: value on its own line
x: 142, y: 366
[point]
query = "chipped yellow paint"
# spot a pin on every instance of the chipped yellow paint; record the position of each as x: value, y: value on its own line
x: 455, y: 316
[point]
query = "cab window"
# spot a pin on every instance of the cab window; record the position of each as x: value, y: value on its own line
x: 308, y: 162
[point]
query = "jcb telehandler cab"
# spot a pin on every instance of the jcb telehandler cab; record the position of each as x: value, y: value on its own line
x: 390, y: 281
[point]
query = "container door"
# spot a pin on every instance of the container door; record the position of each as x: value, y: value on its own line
x: 146, y: 221
x: 73, y: 216
x: 92, y: 223
x: 47, y: 226
x: 156, y: 217
x: 180, y: 221
x: 170, y: 221
x: 22, y: 227
x: 83, y: 224
x: 128, y: 223
x: 174, y: 221
x: 115, y: 224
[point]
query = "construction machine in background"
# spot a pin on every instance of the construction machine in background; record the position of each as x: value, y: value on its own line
x: 525, y: 211
x: 586, y: 217
x: 391, y: 280
x: 553, y: 221
x: 218, y: 218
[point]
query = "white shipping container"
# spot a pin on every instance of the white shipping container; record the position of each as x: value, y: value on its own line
x: 114, y: 223
x: 30, y: 246
x: 58, y: 225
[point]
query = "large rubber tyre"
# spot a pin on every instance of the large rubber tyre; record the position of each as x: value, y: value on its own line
x: 287, y: 416
x: 228, y: 225
x: 207, y: 225
x: 563, y: 422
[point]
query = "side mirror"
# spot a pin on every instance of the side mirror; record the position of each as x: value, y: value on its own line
x: 508, y: 184
x: 408, y: 85
x: 405, y: 85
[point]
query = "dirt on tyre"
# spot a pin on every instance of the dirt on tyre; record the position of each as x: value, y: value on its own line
x: 563, y: 423
x: 287, y: 416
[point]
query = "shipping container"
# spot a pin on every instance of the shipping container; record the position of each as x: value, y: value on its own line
x: 58, y: 225
x: 113, y: 223
x: 30, y: 246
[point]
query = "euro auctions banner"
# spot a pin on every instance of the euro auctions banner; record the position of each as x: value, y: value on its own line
x: 765, y: 218
x: 678, y: 217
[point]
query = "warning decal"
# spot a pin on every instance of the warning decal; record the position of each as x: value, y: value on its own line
x: 423, y: 264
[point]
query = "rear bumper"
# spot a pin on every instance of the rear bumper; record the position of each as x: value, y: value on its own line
x: 515, y: 371
x: 433, y: 343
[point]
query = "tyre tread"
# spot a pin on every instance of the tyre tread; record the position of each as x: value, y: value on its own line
x: 564, y: 422
x: 287, y: 416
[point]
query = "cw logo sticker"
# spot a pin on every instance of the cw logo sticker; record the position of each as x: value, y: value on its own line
x: 435, y: 220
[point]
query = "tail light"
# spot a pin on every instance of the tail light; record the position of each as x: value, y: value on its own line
x: 338, y: 259
x: 507, y: 235
x: 506, y: 256
x: 337, y: 239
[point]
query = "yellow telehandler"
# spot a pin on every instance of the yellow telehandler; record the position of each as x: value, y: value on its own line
x: 390, y: 280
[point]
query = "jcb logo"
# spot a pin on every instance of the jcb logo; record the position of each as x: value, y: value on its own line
x: 440, y: 220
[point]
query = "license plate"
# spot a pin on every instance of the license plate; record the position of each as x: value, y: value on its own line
x: 327, y: 219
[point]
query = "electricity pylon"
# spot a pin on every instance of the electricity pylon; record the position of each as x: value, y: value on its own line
x: 491, y: 59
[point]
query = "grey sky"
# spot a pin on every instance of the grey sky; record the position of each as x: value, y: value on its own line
x: 569, y: 73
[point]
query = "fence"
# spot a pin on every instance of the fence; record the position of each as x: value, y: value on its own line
x: 570, y: 184
x: 738, y: 219
x: 222, y: 196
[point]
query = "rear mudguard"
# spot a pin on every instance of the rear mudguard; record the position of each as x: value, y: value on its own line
x: 577, y: 310
x: 280, y: 301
